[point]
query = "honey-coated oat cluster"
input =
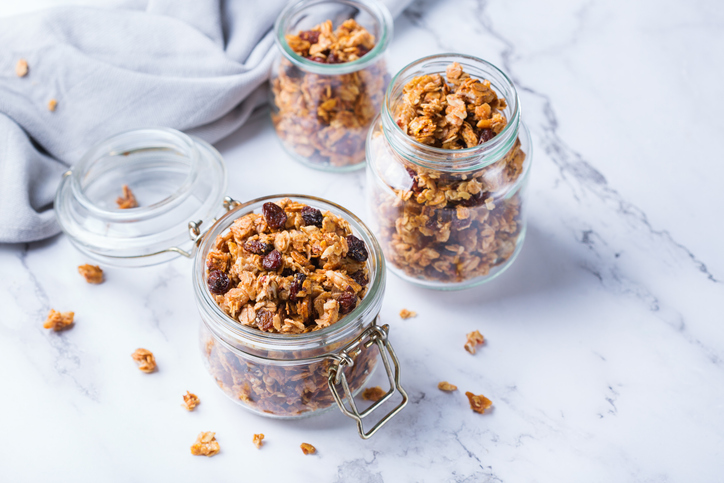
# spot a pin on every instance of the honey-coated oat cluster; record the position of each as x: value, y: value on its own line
x: 325, y: 118
x: 446, y: 225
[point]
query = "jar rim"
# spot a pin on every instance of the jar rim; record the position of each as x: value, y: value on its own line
x: 373, y: 7
x: 460, y: 159
x: 230, y: 327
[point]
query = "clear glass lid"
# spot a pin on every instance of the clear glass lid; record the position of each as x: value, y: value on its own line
x: 175, y: 179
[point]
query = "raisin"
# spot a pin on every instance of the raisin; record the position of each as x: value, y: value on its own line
x: 274, y: 216
x: 360, y: 277
x: 486, y: 135
x: 265, y: 320
x: 311, y: 36
x: 357, y: 249
x: 347, y: 301
x: 272, y: 261
x: 296, y: 286
x: 287, y: 272
x: 312, y: 216
x: 258, y: 247
x: 218, y: 282
x: 362, y: 50
x: 415, y: 186
x: 321, y: 60
x: 333, y: 59
x: 474, y: 200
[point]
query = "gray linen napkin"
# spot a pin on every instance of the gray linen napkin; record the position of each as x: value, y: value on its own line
x: 199, y: 66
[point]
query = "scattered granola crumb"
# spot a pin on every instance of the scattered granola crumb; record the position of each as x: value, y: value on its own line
x: 475, y: 338
x: 407, y: 314
x: 146, y: 361
x: 92, y: 273
x: 258, y: 440
x: 373, y: 394
x: 128, y: 200
x: 21, y: 68
x: 59, y: 321
x: 308, y: 448
x: 447, y: 387
x: 52, y: 104
x: 190, y: 400
x: 478, y: 403
x: 205, y: 445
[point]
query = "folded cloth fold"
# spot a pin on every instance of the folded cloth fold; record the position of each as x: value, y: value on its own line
x: 197, y: 66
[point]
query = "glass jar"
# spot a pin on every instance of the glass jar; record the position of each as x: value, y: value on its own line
x: 448, y: 218
x: 179, y: 182
x: 322, y: 111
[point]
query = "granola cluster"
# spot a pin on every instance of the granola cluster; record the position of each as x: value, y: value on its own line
x: 191, y: 400
x: 145, y: 360
x: 325, y: 118
x: 206, y: 444
x: 92, y: 273
x: 446, y: 225
x: 59, y: 321
x: 473, y: 339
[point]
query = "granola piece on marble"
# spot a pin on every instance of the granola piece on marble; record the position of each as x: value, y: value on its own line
x: 92, y: 273
x: 447, y: 387
x: 258, y: 440
x: 474, y: 339
x: 145, y: 360
x: 480, y: 403
x: 59, y: 321
x: 190, y: 401
x: 308, y: 448
x: 373, y: 393
x: 205, y: 445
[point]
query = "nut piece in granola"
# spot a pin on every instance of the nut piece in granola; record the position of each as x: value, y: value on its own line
x: 205, y: 445
x: 447, y: 387
x: 478, y: 403
x: 145, y: 360
x: 407, y: 314
x: 258, y: 440
x: 59, y: 321
x: 475, y: 338
x: 128, y: 200
x: 190, y: 401
x: 373, y: 393
x: 308, y: 448
x: 52, y: 104
x: 92, y: 273
x: 21, y: 68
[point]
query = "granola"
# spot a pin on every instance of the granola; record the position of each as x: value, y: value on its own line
x: 205, y: 445
x: 21, y: 68
x: 448, y: 226
x: 373, y: 393
x: 59, y: 321
x: 127, y: 200
x: 145, y: 360
x: 52, y: 104
x: 308, y: 448
x: 91, y: 273
x: 447, y: 387
x: 474, y: 339
x: 407, y: 314
x: 190, y: 401
x: 258, y: 440
x: 479, y: 404
x: 325, y: 118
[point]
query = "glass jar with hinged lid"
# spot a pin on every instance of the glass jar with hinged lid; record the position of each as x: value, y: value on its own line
x: 313, y: 362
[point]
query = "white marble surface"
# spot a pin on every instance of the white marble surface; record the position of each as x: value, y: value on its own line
x: 605, y: 353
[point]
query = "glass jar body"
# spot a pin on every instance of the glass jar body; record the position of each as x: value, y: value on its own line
x: 322, y: 111
x: 448, y: 219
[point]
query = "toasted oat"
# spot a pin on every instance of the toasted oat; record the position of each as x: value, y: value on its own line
x: 258, y: 440
x: 407, y: 314
x: 92, y: 273
x: 373, y: 393
x: 205, y: 445
x: 52, y: 104
x: 475, y: 338
x: 128, y: 200
x: 59, y: 321
x: 190, y: 401
x: 308, y: 448
x: 447, y: 387
x: 478, y: 403
x: 21, y: 68
x: 146, y: 361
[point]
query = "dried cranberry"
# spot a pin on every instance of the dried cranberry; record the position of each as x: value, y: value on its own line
x: 474, y: 200
x: 357, y: 249
x: 312, y: 216
x: 218, y: 282
x: 272, y: 261
x: 287, y: 272
x: 415, y: 186
x: 486, y: 135
x: 258, y: 247
x: 265, y: 320
x: 362, y: 50
x: 321, y: 60
x: 360, y: 277
x: 311, y: 36
x: 274, y: 216
x: 347, y: 301
x: 296, y: 286
x: 333, y: 59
